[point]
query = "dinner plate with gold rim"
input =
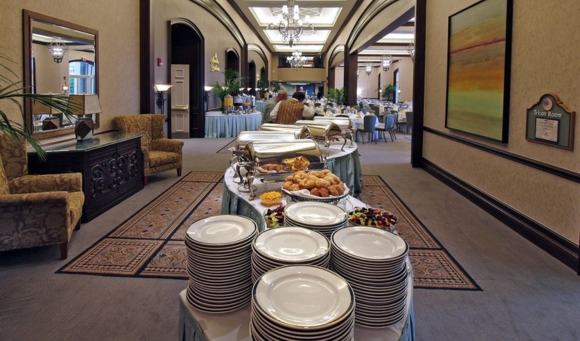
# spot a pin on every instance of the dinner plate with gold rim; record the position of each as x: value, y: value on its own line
x: 291, y: 244
x: 332, y: 333
x: 369, y: 243
x: 303, y: 296
x: 221, y: 230
x: 315, y: 214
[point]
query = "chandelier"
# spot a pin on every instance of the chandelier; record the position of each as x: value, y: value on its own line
x: 289, y: 24
x: 386, y: 61
x: 296, y: 60
x: 368, y: 69
x: 57, y: 49
x: 411, y: 51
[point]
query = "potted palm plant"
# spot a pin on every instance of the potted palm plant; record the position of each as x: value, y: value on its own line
x: 13, y: 93
x: 337, y: 96
x: 387, y: 91
x: 231, y: 85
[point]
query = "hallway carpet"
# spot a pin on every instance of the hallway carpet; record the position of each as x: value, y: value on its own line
x: 150, y: 243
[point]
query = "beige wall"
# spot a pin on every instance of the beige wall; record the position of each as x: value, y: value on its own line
x: 544, y: 59
x: 118, y: 49
x: 216, y: 37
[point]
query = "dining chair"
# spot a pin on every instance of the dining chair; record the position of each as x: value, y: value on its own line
x: 369, y: 127
x: 387, y: 127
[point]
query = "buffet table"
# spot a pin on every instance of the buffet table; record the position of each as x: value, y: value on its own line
x: 220, y: 125
x: 346, y: 165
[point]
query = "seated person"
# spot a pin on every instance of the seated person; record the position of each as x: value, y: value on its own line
x: 292, y: 110
x: 282, y: 95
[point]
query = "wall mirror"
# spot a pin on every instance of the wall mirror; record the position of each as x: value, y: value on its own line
x: 59, y: 58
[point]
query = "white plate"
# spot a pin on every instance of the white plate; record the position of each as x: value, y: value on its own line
x: 369, y: 243
x: 291, y: 244
x: 303, y: 296
x: 315, y: 214
x: 221, y: 230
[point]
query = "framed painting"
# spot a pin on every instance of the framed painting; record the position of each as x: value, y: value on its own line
x: 478, y: 69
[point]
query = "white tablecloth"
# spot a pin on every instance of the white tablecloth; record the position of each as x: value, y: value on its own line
x: 220, y: 125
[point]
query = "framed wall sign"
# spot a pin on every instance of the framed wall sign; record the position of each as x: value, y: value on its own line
x: 478, y: 69
x: 550, y: 122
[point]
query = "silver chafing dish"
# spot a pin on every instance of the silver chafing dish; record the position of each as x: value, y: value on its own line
x: 260, y: 153
x: 246, y: 137
x: 301, y: 132
x: 326, y: 130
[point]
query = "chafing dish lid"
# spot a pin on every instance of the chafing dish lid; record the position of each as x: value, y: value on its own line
x: 246, y: 137
x: 267, y: 150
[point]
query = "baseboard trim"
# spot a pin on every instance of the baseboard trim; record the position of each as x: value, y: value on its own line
x: 554, y: 244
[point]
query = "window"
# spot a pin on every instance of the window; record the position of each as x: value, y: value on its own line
x: 82, y: 77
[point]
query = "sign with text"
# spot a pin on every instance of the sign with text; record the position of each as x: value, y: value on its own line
x: 550, y: 122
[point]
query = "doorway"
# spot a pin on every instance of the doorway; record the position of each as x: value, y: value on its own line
x: 187, y: 48
x: 396, y: 82
x: 232, y: 60
x: 252, y: 84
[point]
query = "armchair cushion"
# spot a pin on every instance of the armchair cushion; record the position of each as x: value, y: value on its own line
x: 70, y: 182
x: 159, y: 158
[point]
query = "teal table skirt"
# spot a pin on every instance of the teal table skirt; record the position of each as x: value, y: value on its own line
x: 220, y: 125
x: 261, y: 105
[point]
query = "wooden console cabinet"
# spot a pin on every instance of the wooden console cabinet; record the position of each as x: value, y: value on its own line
x: 111, y: 165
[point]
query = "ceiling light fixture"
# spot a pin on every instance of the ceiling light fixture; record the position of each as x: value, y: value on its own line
x: 411, y: 51
x: 386, y: 61
x: 289, y: 24
x: 296, y: 60
x: 57, y: 49
x: 369, y: 69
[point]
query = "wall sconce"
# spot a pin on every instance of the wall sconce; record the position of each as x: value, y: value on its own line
x: 64, y: 86
x: 82, y: 105
x: 357, y: 73
x: 161, y: 90
x: 207, y: 90
x: 57, y: 49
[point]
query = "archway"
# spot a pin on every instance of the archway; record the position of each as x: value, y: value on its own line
x: 232, y: 59
x: 187, y: 48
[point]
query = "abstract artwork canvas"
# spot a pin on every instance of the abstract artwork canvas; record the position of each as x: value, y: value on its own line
x: 478, y: 69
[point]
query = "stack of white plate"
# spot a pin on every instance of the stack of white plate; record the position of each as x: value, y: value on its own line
x: 302, y: 302
x: 288, y: 245
x: 373, y: 262
x: 218, y: 263
x: 322, y: 217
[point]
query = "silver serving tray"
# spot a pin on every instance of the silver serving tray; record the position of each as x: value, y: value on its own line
x: 246, y: 137
x: 301, y: 132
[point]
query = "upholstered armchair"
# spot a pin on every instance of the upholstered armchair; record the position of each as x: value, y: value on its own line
x: 160, y: 154
x: 35, y: 210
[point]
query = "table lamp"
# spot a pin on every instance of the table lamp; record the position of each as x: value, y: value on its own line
x: 82, y: 105
x: 51, y: 122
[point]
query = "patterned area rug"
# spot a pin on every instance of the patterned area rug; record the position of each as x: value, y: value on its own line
x: 150, y: 243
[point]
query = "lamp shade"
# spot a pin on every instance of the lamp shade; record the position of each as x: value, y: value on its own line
x: 162, y: 87
x: 84, y: 105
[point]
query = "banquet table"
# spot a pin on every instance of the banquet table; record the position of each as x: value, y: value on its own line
x: 261, y: 105
x: 220, y: 125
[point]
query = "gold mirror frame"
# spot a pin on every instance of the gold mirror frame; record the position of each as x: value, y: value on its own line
x: 27, y: 18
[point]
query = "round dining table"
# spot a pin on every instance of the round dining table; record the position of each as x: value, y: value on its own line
x: 219, y: 125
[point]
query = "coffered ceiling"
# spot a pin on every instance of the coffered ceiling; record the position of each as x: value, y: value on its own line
x: 327, y: 18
